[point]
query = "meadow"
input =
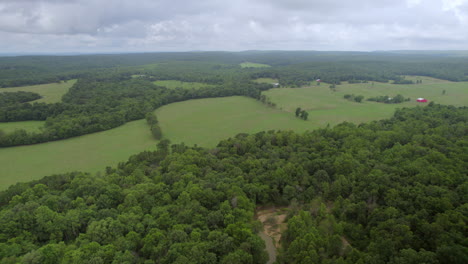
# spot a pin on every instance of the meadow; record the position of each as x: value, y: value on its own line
x: 253, y: 65
x: 88, y: 153
x: 326, y: 106
x: 30, y: 126
x: 51, y: 92
x: 207, y: 121
x: 173, y: 84
x: 266, y: 80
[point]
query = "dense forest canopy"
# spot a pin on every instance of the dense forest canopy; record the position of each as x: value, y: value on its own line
x: 294, y: 66
x: 395, y: 190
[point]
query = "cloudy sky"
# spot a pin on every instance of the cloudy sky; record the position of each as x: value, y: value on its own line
x: 36, y: 26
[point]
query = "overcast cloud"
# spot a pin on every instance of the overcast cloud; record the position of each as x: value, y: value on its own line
x: 182, y: 25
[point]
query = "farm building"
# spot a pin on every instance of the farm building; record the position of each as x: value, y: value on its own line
x: 421, y: 100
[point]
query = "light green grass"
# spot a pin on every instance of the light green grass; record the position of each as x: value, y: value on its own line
x: 266, y: 80
x: 172, y: 84
x: 207, y: 121
x: 425, y: 79
x: 89, y: 153
x: 253, y: 65
x: 30, y: 126
x: 327, y: 107
x: 51, y: 92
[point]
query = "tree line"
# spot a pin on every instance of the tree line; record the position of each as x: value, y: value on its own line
x: 390, y: 191
x: 105, y: 101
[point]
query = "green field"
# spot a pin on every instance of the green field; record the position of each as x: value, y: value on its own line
x: 172, y: 84
x: 207, y: 121
x: 266, y: 80
x: 89, y: 153
x: 51, y: 92
x: 328, y: 107
x: 253, y: 65
x: 30, y: 126
x: 425, y: 79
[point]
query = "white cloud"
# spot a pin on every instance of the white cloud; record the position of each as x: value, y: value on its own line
x: 151, y: 25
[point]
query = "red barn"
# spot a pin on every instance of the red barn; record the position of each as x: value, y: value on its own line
x: 421, y: 100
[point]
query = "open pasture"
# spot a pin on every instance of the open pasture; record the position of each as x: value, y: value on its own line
x: 89, y: 153
x: 326, y: 106
x: 29, y: 126
x: 50, y: 92
x: 207, y: 121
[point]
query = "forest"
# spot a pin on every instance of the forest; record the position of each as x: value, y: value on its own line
x: 107, y: 95
x: 389, y: 191
x: 394, y: 189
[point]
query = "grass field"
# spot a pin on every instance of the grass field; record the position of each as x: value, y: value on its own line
x: 207, y: 121
x: 253, y: 65
x: 30, y: 126
x: 266, y: 80
x: 172, y: 84
x: 89, y: 153
x: 327, y: 107
x: 51, y: 92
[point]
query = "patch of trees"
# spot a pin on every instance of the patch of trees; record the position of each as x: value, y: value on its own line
x: 103, y: 101
x: 355, y: 98
x: 152, y: 121
x: 302, y: 114
x: 267, y: 101
x: 390, y: 191
x: 402, y: 81
x: 11, y: 98
x: 389, y: 100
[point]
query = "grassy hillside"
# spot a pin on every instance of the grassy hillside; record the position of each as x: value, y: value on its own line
x: 90, y: 153
x: 172, y: 84
x: 51, y: 92
x: 329, y: 107
x: 30, y: 126
x: 206, y: 121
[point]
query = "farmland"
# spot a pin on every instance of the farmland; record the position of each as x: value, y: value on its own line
x: 51, y: 92
x: 206, y: 121
x: 326, y: 106
x: 29, y: 126
x: 89, y: 153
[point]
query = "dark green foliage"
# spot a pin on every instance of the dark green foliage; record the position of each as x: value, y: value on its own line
x: 11, y: 98
x: 395, y: 190
x: 352, y: 97
x: 389, y: 100
x: 304, y: 115
x: 298, y: 111
x: 103, y: 102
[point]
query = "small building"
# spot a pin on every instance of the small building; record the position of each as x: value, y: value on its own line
x: 421, y: 100
x: 318, y: 80
x: 275, y: 85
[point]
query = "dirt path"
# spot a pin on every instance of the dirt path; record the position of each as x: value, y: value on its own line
x: 272, y: 219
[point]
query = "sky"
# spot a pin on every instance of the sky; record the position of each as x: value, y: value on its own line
x: 101, y: 26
